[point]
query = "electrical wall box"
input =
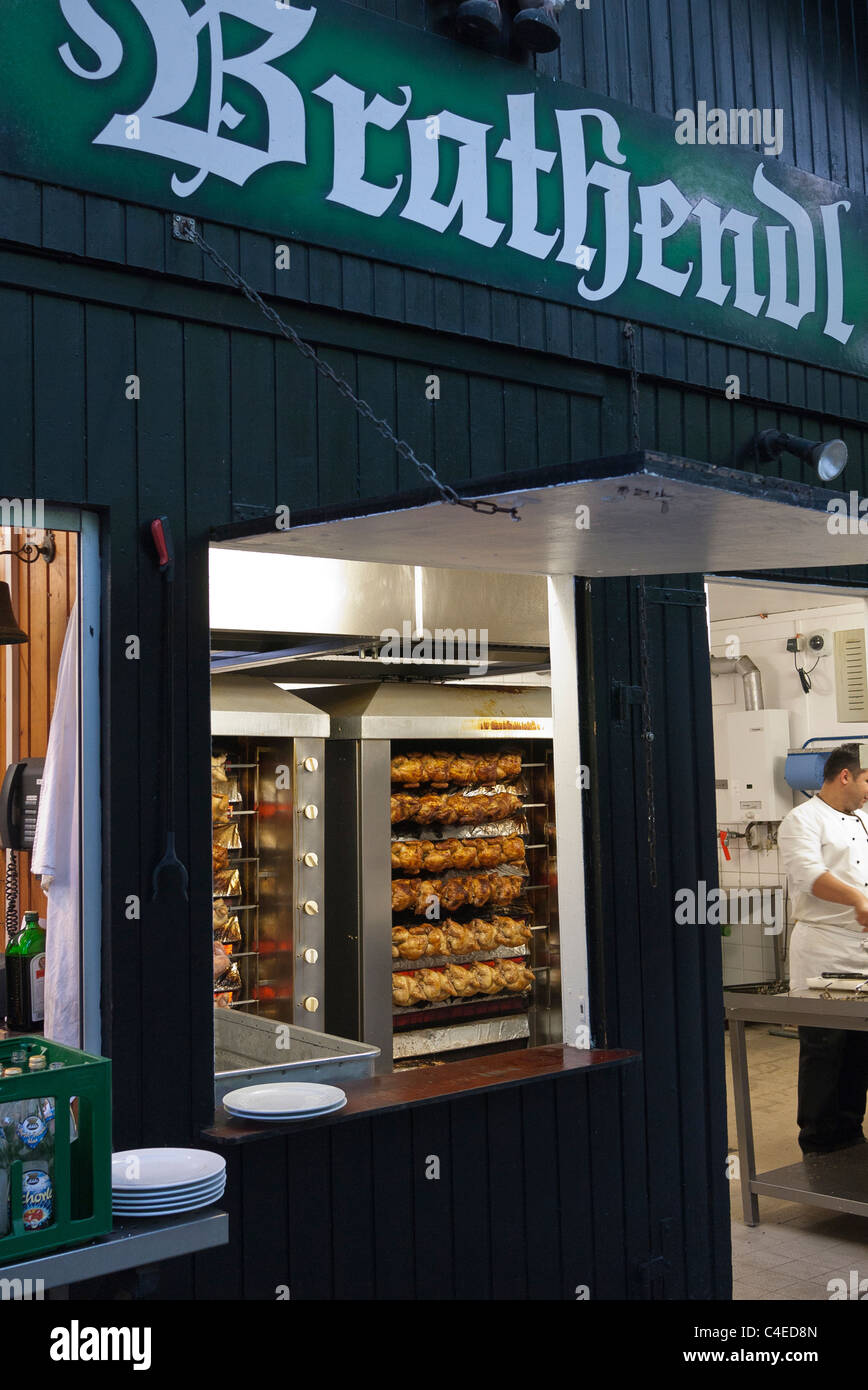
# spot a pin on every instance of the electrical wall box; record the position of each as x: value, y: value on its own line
x: 750, y: 783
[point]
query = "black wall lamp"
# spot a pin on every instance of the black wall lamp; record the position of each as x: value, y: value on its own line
x: 829, y: 459
x: 28, y: 553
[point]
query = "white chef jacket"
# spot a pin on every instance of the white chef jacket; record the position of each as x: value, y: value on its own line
x: 815, y: 839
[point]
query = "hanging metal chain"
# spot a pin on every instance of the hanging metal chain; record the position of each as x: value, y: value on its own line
x: 630, y: 338
x: 186, y: 230
x: 644, y: 653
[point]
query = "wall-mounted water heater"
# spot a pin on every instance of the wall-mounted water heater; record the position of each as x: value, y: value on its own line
x: 750, y: 773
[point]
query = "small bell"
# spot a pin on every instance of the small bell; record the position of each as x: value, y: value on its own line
x: 10, y: 632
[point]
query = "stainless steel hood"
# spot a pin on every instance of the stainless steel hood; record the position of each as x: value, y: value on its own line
x: 647, y: 513
x: 255, y: 707
x: 393, y: 710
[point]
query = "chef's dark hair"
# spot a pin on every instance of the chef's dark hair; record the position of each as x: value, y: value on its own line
x: 845, y: 756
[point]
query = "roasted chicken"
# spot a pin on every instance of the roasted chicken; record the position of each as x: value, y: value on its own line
x: 419, y: 895
x: 455, y: 809
x: 460, y: 981
x: 450, y: 938
x: 433, y: 856
x: 441, y: 769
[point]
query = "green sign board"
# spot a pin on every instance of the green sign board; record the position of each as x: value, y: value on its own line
x: 331, y: 125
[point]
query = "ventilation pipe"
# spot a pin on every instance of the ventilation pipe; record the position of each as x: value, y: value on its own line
x: 750, y: 674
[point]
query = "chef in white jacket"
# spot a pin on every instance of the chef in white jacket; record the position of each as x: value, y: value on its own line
x: 824, y: 847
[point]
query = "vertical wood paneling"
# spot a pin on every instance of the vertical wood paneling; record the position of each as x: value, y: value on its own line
x: 112, y: 480
x: 675, y: 994
x: 451, y: 436
x: 352, y: 1211
x: 474, y: 1183
x: 433, y: 1250
x: 506, y: 1193
x: 243, y: 465
x: 338, y: 428
x: 295, y: 430
x: 309, y: 1225
x: 579, y: 1256
x: 415, y: 416
x: 147, y: 945
x: 392, y: 1180
x: 378, y: 462
x: 486, y: 427
x: 541, y: 1194
x: 58, y: 398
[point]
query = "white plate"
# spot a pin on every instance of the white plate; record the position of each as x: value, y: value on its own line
x: 185, y: 1195
x: 283, y: 1098
x: 189, y: 1189
x: 168, y: 1207
x: 166, y: 1210
x: 282, y: 1119
x: 165, y: 1168
x: 177, y: 1202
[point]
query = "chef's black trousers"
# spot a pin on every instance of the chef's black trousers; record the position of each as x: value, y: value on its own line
x: 833, y: 1081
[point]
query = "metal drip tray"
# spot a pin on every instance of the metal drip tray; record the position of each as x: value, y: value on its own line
x: 248, y: 1050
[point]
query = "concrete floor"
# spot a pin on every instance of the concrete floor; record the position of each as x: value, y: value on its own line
x: 795, y: 1250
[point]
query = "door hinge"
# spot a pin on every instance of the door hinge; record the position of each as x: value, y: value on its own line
x: 690, y: 598
x: 622, y: 697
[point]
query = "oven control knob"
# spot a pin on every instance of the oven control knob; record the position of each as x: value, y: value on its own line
x: 310, y: 764
x: 311, y: 955
x: 311, y: 812
x: 311, y: 908
x: 311, y: 1004
x: 311, y: 859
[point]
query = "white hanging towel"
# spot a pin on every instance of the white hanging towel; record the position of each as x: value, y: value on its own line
x: 56, y: 849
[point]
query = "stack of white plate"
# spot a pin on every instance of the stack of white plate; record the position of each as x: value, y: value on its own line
x: 284, y: 1100
x: 158, y: 1182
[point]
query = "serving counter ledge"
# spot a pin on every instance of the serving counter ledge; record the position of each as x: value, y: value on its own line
x: 426, y: 1085
x: 128, y: 1245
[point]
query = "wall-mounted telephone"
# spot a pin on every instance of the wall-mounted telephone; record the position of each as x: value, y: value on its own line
x: 19, y: 803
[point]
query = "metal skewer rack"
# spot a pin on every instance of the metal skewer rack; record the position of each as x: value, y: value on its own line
x: 274, y: 742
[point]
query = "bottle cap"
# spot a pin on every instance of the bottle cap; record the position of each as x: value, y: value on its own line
x: 38, y: 1062
x: 12, y: 1071
x: 19, y: 1055
x: 55, y: 1066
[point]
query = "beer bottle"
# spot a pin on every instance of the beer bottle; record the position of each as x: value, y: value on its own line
x: 25, y: 977
x: 5, y: 1162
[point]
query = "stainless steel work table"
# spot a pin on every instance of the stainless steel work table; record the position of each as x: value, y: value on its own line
x: 838, y: 1181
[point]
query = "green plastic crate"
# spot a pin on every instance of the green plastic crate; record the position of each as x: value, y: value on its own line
x: 82, y: 1169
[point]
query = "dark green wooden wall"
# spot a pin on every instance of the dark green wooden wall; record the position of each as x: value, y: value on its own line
x: 231, y: 421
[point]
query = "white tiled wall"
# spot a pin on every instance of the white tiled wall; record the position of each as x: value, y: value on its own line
x: 749, y: 951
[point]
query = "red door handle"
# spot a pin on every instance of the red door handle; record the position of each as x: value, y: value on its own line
x: 723, y: 836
